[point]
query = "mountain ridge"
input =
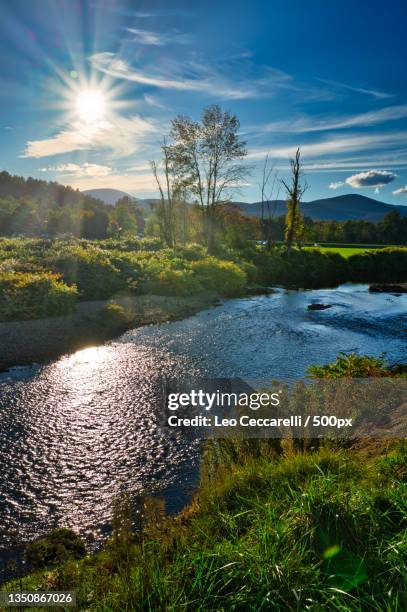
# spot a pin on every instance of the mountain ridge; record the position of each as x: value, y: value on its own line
x: 337, y: 208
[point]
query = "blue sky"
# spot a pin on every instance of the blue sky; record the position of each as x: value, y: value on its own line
x: 88, y: 88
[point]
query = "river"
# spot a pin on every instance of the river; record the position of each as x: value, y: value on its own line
x: 77, y: 431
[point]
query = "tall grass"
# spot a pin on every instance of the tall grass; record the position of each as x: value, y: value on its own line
x: 269, y: 529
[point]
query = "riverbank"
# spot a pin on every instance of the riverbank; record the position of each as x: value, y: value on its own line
x: 268, y: 529
x: 91, y: 323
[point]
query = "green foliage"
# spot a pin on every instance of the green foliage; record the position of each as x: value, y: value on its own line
x: 306, y: 269
x: 319, y: 531
x: 225, y: 277
x: 392, y: 229
x: 90, y: 269
x: 384, y: 265
x: 114, y: 317
x: 58, y: 546
x: 352, y: 365
x: 169, y: 281
x: 102, y: 269
x: 34, y: 295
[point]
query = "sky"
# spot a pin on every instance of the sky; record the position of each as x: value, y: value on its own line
x: 88, y: 89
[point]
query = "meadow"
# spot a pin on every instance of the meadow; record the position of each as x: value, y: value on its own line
x: 348, y: 250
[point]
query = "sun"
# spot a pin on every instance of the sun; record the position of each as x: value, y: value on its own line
x: 90, y: 105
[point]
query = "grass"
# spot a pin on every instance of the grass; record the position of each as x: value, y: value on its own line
x: 269, y: 529
x: 347, y: 251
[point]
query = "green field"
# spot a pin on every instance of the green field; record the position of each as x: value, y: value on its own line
x: 347, y: 251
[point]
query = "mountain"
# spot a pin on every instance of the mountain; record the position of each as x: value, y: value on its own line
x: 338, y: 208
x: 108, y: 196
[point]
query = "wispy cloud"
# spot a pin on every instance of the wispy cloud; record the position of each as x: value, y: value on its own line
x: 80, y: 170
x: 154, y: 14
x: 133, y: 183
x: 122, y: 135
x: 362, y: 90
x: 198, y: 77
x: 147, y: 37
x: 371, y: 178
x: 152, y: 101
x: 400, y: 191
x: 331, y: 146
x: 317, y: 124
x: 336, y: 185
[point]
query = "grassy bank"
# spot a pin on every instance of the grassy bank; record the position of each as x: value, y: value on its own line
x: 268, y: 530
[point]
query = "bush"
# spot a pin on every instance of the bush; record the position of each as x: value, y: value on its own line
x: 308, y: 269
x: 90, y: 269
x: 352, y: 365
x: 114, y: 317
x: 34, y: 295
x: 384, y: 265
x: 169, y: 281
x: 225, y: 277
x: 59, y: 545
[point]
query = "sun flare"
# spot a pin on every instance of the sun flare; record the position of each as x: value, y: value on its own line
x: 90, y: 105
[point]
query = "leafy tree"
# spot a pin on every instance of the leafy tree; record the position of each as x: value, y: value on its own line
x: 125, y: 218
x: 206, y: 157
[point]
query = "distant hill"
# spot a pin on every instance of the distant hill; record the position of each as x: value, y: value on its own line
x: 108, y: 196
x: 338, y: 208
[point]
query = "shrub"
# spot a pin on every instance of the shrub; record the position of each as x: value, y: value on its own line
x: 90, y: 269
x: 352, y: 365
x: 59, y: 545
x: 301, y: 268
x: 34, y: 295
x: 225, y: 277
x: 169, y: 281
x: 383, y: 265
x: 114, y: 316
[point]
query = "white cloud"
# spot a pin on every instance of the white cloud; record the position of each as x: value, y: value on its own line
x: 152, y: 101
x: 356, y: 142
x: 194, y: 76
x: 134, y: 184
x: 371, y: 178
x: 336, y: 185
x: 400, y: 191
x: 77, y: 170
x: 122, y: 135
x: 147, y: 37
x: 313, y: 124
x: 362, y: 90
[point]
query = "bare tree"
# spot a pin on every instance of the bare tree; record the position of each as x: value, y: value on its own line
x: 165, y: 208
x: 270, y: 189
x: 207, y: 157
x: 295, y: 192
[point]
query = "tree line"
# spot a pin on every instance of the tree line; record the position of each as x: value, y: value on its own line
x: 31, y: 207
